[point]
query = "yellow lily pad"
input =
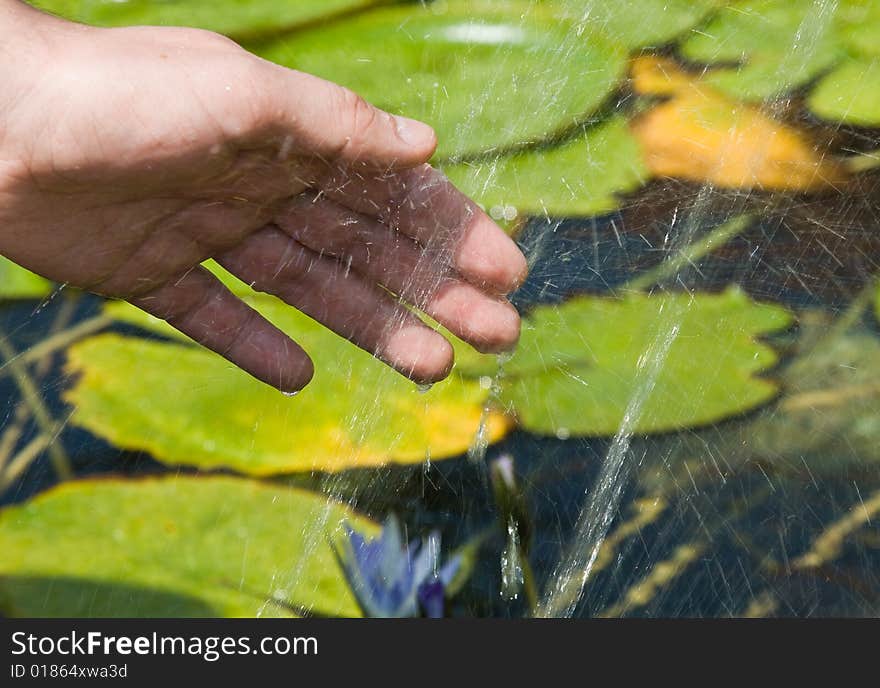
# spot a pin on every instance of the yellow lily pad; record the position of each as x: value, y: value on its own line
x: 18, y: 283
x: 187, y: 405
x: 702, y: 135
x: 173, y: 546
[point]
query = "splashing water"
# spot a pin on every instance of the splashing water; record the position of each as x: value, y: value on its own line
x: 578, y: 556
x: 571, y: 574
x: 477, y: 450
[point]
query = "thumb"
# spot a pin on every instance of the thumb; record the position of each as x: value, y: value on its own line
x: 334, y: 123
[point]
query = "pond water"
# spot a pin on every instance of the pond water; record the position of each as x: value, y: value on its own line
x: 689, y: 427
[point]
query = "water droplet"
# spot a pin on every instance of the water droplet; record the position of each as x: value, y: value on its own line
x: 512, y: 577
x: 563, y: 433
x: 485, y: 382
x: 504, y: 357
x: 425, y: 387
x: 291, y: 394
x: 477, y: 450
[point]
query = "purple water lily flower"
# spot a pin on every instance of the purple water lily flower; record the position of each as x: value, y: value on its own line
x: 393, y: 579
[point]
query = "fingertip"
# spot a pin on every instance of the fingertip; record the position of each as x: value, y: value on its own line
x: 419, y: 353
x: 275, y: 359
x: 297, y: 376
x: 495, y: 327
x: 488, y: 323
x: 419, y: 137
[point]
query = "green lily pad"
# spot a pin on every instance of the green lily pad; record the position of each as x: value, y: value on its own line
x: 858, y: 24
x: 850, y: 93
x: 777, y: 45
x: 231, y: 17
x: 578, y: 178
x: 18, y: 283
x: 826, y: 423
x: 187, y: 405
x: 174, y: 546
x: 646, y: 23
x: 487, y: 75
x: 577, y: 368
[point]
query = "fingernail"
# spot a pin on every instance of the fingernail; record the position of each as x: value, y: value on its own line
x: 412, y: 132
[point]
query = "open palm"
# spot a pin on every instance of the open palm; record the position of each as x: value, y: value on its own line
x: 129, y: 156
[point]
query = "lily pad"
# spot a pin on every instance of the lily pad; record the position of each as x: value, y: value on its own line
x: 701, y: 134
x: 647, y: 23
x: 850, y: 93
x: 187, y: 405
x: 230, y: 17
x: 826, y: 423
x: 18, y: 283
x: 858, y: 24
x: 579, y: 365
x: 771, y: 46
x: 174, y: 546
x: 487, y: 75
x: 577, y: 178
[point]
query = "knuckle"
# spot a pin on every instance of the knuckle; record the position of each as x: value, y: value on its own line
x: 239, y: 331
x: 208, y: 39
x: 359, y: 120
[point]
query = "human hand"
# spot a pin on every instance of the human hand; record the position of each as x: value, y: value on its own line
x: 129, y: 156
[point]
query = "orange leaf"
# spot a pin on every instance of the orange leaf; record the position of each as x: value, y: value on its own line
x: 702, y: 135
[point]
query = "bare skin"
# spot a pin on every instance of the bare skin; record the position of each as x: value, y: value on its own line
x: 130, y: 156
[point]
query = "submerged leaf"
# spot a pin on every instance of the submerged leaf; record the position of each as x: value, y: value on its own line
x: 174, y: 546
x: 577, y: 178
x: 231, y: 17
x: 187, y: 405
x: 579, y: 366
x: 486, y: 75
x: 826, y: 423
x: 877, y: 303
x: 829, y: 416
x: 702, y: 135
x: 18, y: 283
